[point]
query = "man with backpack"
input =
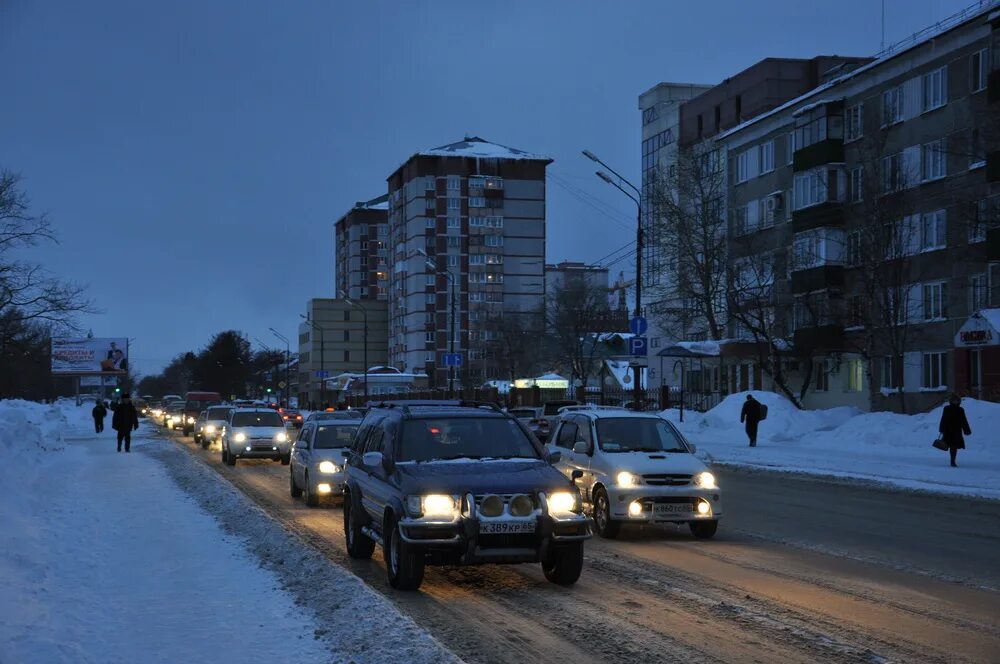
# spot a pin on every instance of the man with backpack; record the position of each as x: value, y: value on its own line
x: 125, y: 421
x: 753, y: 412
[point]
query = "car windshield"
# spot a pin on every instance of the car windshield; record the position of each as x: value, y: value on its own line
x: 332, y: 436
x: 200, y: 404
x: 464, y: 438
x: 637, y: 434
x: 260, y: 419
x: 218, y: 413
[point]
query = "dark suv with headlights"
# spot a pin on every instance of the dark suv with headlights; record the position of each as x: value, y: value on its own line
x: 458, y: 483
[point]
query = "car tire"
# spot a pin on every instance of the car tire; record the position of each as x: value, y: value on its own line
x: 292, y: 486
x: 312, y: 499
x: 359, y: 545
x: 404, y: 566
x: 230, y: 458
x: 704, y: 529
x: 205, y: 443
x: 285, y: 460
x: 605, y: 526
x: 564, y: 564
x: 225, y: 454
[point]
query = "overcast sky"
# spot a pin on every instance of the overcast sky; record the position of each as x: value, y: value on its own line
x: 195, y: 154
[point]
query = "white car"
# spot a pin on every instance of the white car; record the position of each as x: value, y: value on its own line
x: 209, y: 428
x: 255, y: 433
x: 318, y: 459
x: 636, y: 467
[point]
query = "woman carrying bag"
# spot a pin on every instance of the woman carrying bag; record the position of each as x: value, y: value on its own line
x: 953, y: 425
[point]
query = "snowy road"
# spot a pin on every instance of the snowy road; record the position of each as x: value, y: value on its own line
x: 802, y: 571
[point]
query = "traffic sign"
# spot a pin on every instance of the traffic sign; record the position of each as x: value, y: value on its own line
x: 322, y: 374
x: 267, y: 376
x: 638, y: 325
x: 638, y: 346
x: 281, y: 385
x: 451, y: 359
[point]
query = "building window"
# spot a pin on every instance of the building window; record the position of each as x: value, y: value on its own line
x: 767, y: 157
x: 454, y: 222
x: 452, y: 260
x: 821, y: 376
x: 933, y: 160
x: 454, y: 241
x: 347, y: 315
x: 854, y: 248
x: 933, y: 231
x: 790, y: 148
x: 934, y: 373
x: 892, y: 173
x: 430, y: 298
x: 430, y: 279
x: 980, y: 221
x: 477, y: 201
x: 743, y: 166
x: 935, y: 89
x: 855, y: 370
x: 454, y: 183
x: 978, y: 71
x: 431, y: 222
x: 347, y: 335
x: 891, y: 376
x: 454, y: 203
x: 854, y: 122
x: 856, y: 184
x: 979, y: 295
x: 810, y: 188
x: 935, y: 301
x: 892, y: 106
x: 428, y: 337
x: 493, y: 240
x: 494, y: 259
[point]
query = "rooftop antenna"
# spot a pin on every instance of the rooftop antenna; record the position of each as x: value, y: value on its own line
x: 882, y: 48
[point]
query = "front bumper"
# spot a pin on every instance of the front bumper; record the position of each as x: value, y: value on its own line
x: 466, y: 545
x: 260, y: 449
x: 335, y: 482
x: 620, y: 498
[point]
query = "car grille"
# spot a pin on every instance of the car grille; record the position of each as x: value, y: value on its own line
x: 518, y: 541
x: 506, y: 497
x: 665, y: 479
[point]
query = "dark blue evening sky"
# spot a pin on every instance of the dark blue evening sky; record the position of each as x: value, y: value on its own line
x: 194, y: 154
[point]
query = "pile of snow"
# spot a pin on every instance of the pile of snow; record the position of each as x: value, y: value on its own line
x: 845, y: 442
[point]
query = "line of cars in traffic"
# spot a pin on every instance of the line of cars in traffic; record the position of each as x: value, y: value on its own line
x: 464, y: 483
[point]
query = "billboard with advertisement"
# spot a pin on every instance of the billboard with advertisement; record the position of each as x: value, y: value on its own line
x: 106, y: 355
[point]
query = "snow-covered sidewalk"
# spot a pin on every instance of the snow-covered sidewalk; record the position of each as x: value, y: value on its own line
x: 104, y: 559
x: 843, y: 442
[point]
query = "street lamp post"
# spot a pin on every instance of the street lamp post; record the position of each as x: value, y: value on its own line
x: 639, y: 242
x: 288, y: 360
x: 364, y: 313
x: 451, y: 333
x: 322, y: 360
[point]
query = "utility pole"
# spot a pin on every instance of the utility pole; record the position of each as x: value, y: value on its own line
x: 288, y: 360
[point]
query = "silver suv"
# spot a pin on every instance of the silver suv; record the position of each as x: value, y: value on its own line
x: 635, y: 467
x: 318, y: 459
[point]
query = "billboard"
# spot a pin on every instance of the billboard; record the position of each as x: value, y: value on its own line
x: 90, y: 356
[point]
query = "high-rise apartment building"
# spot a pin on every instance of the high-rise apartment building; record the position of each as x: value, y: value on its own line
x: 362, y: 251
x: 466, y: 218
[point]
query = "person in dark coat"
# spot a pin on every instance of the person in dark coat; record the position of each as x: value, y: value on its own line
x: 99, y: 412
x: 125, y: 421
x: 953, y: 425
x: 750, y: 415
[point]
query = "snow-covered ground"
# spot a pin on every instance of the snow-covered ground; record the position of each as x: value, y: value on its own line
x: 844, y: 442
x: 103, y: 558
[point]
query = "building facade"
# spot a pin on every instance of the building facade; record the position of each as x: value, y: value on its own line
x: 466, y: 218
x: 332, y: 342
x: 361, y: 239
x: 858, y: 218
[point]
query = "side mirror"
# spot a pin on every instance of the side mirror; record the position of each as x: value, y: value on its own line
x: 346, y: 453
x: 372, y: 459
x: 576, y: 474
x: 580, y: 447
x: 555, y: 457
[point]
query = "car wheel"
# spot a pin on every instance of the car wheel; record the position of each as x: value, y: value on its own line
x: 285, y: 460
x: 205, y: 443
x: 225, y: 455
x: 605, y: 526
x: 292, y: 487
x: 403, y: 565
x: 564, y: 564
x: 312, y: 499
x: 230, y: 458
x: 703, y: 529
x: 359, y: 545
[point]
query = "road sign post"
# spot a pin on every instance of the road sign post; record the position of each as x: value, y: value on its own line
x: 638, y: 326
x: 638, y: 346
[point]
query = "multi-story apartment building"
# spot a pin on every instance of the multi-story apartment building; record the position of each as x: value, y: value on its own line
x: 467, y: 218
x: 859, y: 213
x: 361, y: 246
x: 557, y: 275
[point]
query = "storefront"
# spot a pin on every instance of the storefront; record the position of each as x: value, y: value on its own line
x: 977, y: 356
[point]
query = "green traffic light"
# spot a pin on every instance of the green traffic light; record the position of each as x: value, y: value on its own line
x: 269, y: 390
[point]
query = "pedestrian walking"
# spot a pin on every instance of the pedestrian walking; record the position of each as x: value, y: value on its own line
x: 99, y: 412
x: 751, y: 416
x: 953, y: 425
x: 125, y: 421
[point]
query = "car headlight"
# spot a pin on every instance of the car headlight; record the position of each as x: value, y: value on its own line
x: 628, y: 479
x: 433, y: 506
x: 209, y: 428
x: 705, y: 480
x: 240, y: 437
x: 562, y: 502
x: 328, y: 467
x: 282, y: 437
x: 190, y: 420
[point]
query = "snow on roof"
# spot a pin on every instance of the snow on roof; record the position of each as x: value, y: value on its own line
x: 611, y: 336
x: 550, y: 376
x: 474, y: 146
x: 384, y: 205
x: 815, y: 104
x: 992, y: 317
x: 619, y: 369
x: 700, y: 347
x: 893, y: 51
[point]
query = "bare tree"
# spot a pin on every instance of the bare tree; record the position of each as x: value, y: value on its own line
x: 572, y: 316
x: 687, y: 203
x: 513, y: 341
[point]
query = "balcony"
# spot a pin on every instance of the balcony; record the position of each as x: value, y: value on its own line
x: 818, y: 278
x: 829, y: 214
x: 823, y: 338
x: 993, y: 86
x: 993, y: 244
x: 829, y: 151
x: 993, y: 166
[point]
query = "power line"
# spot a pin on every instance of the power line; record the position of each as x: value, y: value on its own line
x: 593, y: 202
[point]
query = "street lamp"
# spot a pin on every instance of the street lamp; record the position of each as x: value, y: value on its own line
x: 322, y: 360
x: 364, y: 312
x: 288, y: 360
x: 451, y: 334
x: 617, y: 183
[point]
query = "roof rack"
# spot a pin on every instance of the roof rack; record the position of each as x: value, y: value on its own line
x: 443, y: 403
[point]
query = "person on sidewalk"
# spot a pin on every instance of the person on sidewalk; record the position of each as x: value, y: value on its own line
x: 125, y: 421
x: 99, y: 412
x: 953, y: 425
x: 752, y: 417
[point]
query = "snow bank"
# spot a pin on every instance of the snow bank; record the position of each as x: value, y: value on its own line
x: 844, y: 442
